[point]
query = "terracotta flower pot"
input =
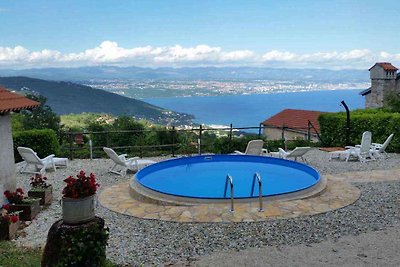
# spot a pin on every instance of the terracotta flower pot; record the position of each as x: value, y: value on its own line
x: 78, y: 210
x: 45, y: 195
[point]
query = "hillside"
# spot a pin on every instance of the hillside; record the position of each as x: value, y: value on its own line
x: 68, y: 97
x: 198, y: 73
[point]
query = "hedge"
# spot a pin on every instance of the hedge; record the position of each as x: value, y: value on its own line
x: 224, y: 145
x: 380, y: 123
x: 44, y: 142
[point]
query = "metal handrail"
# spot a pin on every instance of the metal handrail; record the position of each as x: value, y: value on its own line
x: 229, y: 178
x: 257, y: 175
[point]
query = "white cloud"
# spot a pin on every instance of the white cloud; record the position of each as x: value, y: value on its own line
x: 276, y: 55
x: 110, y: 53
x: 386, y: 56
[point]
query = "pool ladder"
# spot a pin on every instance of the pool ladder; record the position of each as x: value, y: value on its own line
x: 230, y: 181
x: 257, y: 176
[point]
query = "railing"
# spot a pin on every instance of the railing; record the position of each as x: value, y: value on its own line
x: 230, y: 180
x: 258, y: 177
x: 172, y: 142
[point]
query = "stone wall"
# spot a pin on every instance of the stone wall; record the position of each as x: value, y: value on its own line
x: 379, y: 88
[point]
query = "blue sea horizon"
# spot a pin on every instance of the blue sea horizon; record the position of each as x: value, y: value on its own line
x: 251, y: 110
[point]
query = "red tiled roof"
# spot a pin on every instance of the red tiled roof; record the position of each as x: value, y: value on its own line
x: 14, y: 102
x: 386, y: 66
x: 295, y: 119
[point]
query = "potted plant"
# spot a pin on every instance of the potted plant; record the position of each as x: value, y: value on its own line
x: 9, y: 223
x: 40, y: 189
x: 29, y: 207
x: 78, y: 198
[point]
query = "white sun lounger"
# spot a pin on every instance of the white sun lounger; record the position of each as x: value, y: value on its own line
x: 254, y: 147
x: 133, y: 164
x: 298, y: 152
x: 378, y: 150
x: 30, y: 157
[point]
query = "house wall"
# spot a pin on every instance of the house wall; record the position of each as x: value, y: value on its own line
x: 7, y: 164
x: 378, y: 72
x: 276, y: 134
x: 398, y: 85
x: 379, y: 87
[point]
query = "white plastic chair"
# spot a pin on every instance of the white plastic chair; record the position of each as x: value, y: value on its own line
x: 30, y: 157
x: 362, y: 152
x: 298, y: 152
x: 133, y: 164
x: 254, y: 147
x: 378, y: 150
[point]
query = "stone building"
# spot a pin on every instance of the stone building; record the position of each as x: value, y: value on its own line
x: 384, y: 79
x: 293, y: 124
x: 9, y: 102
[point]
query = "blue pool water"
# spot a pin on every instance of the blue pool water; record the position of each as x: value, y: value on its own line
x: 204, y: 176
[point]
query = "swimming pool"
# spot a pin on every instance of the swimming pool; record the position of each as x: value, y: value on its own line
x: 204, y: 177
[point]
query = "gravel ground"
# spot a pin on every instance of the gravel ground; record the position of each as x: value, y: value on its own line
x: 136, y: 241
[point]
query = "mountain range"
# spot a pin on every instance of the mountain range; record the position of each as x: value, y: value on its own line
x: 69, y: 97
x: 198, y: 73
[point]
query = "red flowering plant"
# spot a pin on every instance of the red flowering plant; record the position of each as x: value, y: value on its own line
x: 7, y: 216
x: 39, y: 181
x: 16, y: 197
x: 80, y: 187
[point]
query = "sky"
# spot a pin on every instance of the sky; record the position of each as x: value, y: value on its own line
x: 333, y: 34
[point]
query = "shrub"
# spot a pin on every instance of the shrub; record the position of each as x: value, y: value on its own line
x: 379, y: 122
x: 43, y: 142
x: 300, y: 143
x: 224, y: 145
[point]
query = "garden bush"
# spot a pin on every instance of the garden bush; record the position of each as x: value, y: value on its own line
x: 379, y: 122
x: 44, y: 142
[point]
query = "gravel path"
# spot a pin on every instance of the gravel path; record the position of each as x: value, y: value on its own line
x: 137, y: 241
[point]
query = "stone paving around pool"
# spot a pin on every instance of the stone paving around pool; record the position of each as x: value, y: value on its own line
x: 338, y: 194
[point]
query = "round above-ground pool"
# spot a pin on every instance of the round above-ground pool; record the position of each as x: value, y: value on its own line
x: 204, y: 177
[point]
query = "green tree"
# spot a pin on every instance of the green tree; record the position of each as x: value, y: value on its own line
x: 392, y: 101
x: 41, y: 117
x: 16, y: 122
x: 126, y: 123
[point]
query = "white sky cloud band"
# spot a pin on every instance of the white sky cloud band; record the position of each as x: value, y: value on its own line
x: 109, y: 53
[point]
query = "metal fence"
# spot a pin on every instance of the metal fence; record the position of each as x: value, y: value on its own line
x: 90, y: 141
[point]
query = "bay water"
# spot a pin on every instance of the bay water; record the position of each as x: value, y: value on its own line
x: 251, y: 110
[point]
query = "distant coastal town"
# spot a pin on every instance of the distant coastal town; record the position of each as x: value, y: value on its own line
x: 140, y: 89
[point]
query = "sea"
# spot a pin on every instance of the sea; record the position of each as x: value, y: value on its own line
x: 251, y: 110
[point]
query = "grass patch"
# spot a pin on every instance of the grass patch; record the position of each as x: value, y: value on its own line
x: 14, y: 256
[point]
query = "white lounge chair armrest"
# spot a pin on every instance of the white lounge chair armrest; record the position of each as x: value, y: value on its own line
x: 265, y: 152
x: 349, y: 147
x: 238, y: 152
x: 376, y: 145
x: 49, y: 157
x: 123, y: 156
x: 131, y: 160
x: 282, y: 152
